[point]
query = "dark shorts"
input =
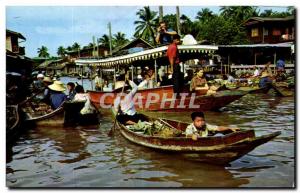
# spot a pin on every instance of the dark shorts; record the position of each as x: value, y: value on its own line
x: 123, y: 118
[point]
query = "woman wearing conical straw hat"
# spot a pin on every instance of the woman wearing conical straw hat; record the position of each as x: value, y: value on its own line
x: 57, y: 96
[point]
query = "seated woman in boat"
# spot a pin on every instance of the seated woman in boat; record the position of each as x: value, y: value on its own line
x: 199, y: 83
x: 46, y: 95
x: 199, y: 128
x: 265, y: 80
x: 80, y: 94
x: 124, y: 105
x: 57, y: 96
x: 71, y: 89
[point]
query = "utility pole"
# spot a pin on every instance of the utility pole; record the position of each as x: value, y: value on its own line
x: 178, y: 20
x: 110, y: 42
x: 161, y: 13
x: 94, y: 47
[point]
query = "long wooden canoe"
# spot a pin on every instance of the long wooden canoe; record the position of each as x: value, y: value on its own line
x: 201, y: 102
x: 212, y: 149
x: 35, y: 112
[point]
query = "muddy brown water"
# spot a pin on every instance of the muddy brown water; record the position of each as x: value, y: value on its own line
x: 88, y: 157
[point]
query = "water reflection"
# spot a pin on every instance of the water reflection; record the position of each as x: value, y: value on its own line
x: 88, y: 157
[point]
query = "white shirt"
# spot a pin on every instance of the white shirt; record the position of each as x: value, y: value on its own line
x: 191, y: 129
x: 256, y: 72
x: 127, y: 104
x: 81, y: 97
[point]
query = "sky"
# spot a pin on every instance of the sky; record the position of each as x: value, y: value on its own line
x: 54, y: 26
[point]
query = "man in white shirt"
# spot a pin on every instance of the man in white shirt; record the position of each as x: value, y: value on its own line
x: 256, y: 72
x: 199, y: 128
x: 124, y: 106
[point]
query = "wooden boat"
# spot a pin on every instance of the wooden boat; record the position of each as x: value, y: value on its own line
x: 72, y: 115
x: 211, y: 149
x: 282, y: 89
x: 12, y: 122
x: 167, y: 103
x: 35, y: 112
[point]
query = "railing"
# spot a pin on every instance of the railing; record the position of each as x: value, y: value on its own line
x: 251, y: 67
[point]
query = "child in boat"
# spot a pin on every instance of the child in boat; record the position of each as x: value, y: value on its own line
x: 199, y: 128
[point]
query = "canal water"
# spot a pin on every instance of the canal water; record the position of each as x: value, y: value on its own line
x: 88, y: 157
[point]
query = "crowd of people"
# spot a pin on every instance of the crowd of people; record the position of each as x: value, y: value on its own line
x: 53, y: 92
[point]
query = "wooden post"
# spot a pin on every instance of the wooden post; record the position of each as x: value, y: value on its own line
x: 221, y: 67
x: 82, y: 75
x: 91, y: 79
x: 132, y: 72
x: 275, y: 62
x: 155, y: 71
x: 255, y: 59
x: 178, y: 20
x: 161, y: 15
x: 114, y: 75
x: 110, y: 38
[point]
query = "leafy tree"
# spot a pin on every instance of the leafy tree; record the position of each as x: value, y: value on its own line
x: 239, y: 13
x: 61, y: 51
x: 205, y: 15
x: 104, y: 41
x: 76, y: 47
x: 43, y: 52
x: 119, y: 39
x: 146, y: 25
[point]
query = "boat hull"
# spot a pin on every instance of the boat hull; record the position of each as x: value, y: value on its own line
x: 165, y: 102
x: 215, y: 150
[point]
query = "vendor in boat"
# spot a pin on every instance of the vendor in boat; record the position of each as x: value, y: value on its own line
x: 124, y: 105
x: 38, y: 83
x: 256, y: 72
x: 80, y: 94
x: 162, y: 79
x: 267, y: 67
x: 265, y: 80
x: 199, y: 128
x: 199, y: 82
x: 57, y: 96
x: 47, y: 82
x: 98, y: 82
x: 71, y: 89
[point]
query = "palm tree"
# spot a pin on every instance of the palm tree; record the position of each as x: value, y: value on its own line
x: 204, y: 15
x: 146, y: 24
x: 76, y: 47
x: 61, y: 51
x: 119, y: 39
x: 43, y: 52
x: 69, y: 48
x: 239, y: 13
x: 266, y: 13
x: 104, y: 41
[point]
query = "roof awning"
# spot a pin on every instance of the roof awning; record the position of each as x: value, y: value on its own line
x: 143, y: 55
x: 280, y: 45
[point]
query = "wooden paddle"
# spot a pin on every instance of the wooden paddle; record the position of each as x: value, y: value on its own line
x: 110, y: 133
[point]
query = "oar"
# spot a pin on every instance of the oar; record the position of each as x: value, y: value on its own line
x: 115, y: 121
